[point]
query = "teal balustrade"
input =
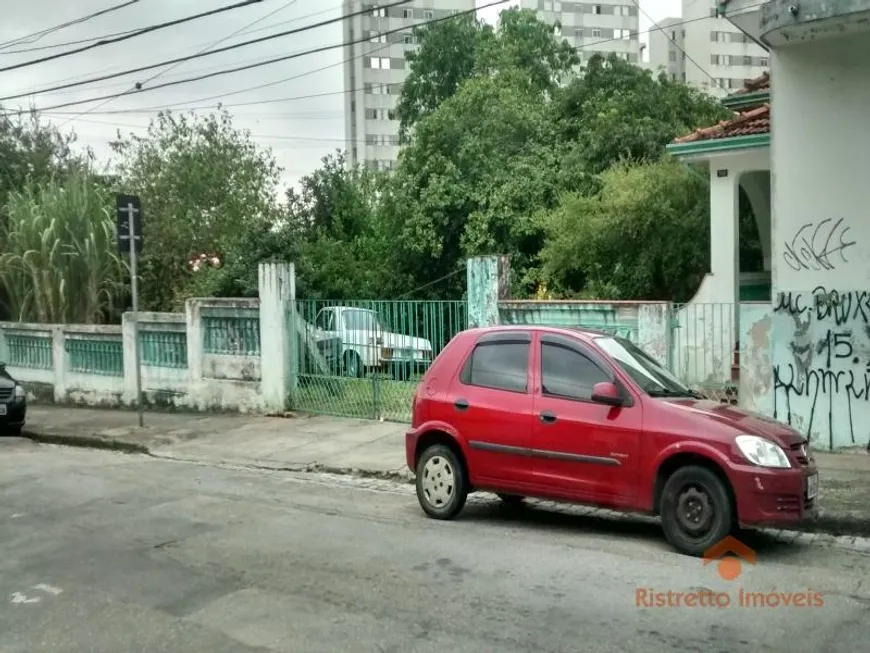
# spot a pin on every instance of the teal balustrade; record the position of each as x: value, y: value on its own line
x: 231, y: 335
x: 102, y: 356
x: 163, y: 349
x: 31, y: 351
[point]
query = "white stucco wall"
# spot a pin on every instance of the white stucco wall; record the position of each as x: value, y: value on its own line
x: 821, y: 239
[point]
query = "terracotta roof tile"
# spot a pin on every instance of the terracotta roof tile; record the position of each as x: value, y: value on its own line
x: 760, y: 83
x: 747, y: 123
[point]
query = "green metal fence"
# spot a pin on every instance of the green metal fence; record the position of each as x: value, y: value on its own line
x: 99, y: 355
x: 365, y: 358
x: 163, y: 349
x: 231, y: 332
x: 29, y: 350
x: 704, y: 348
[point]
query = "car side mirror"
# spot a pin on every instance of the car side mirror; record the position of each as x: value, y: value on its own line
x: 607, y: 393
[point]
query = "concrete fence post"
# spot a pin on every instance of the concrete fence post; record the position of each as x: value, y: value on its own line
x: 277, y: 283
x: 654, y: 330
x: 61, y: 364
x: 488, y: 283
x: 129, y: 343
x: 193, y: 323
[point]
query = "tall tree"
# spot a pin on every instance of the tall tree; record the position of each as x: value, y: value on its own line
x: 469, y: 182
x: 32, y: 150
x: 617, y: 111
x: 454, y: 51
x: 205, y: 185
x: 640, y: 237
x: 343, y: 251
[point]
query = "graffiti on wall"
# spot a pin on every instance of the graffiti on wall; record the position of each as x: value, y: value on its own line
x: 814, y: 243
x: 825, y: 379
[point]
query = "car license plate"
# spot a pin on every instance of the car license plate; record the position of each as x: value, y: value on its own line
x: 812, y: 486
x: 2, y: 410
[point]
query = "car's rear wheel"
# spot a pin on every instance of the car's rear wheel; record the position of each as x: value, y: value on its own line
x: 696, y: 510
x: 441, y: 485
x: 12, y: 431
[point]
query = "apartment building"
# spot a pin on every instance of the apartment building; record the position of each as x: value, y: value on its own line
x: 376, y: 44
x: 666, y: 46
x: 725, y: 56
x: 601, y: 26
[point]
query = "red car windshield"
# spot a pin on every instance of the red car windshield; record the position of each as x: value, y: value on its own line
x: 649, y: 374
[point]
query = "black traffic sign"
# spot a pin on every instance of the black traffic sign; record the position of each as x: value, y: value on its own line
x: 129, y: 211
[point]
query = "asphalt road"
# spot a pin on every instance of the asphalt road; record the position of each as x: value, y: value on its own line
x: 114, y: 553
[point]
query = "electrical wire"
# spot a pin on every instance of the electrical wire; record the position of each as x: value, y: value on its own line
x: 141, y: 32
x: 172, y: 67
x: 459, y: 270
x: 185, y: 104
x: 57, y: 28
x: 636, y: 3
x: 274, y: 60
x: 228, y: 48
x: 129, y: 31
x: 284, y: 80
x: 280, y: 137
x: 42, y: 48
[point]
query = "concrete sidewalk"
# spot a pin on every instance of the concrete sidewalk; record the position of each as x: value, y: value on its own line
x: 296, y: 443
x: 305, y: 443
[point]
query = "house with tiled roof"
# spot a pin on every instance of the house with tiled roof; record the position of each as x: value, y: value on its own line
x: 804, y: 356
x: 734, y: 155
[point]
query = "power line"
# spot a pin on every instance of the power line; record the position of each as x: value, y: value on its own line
x: 235, y: 46
x: 208, y: 47
x: 657, y: 28
x: 212, y: 68
x: 276, y: 59
x: 677, y: 45
x: 129, y: 31
x: 56, y: 28
x: 41, y: 48
x: 277, y: 137
x: 284, y: 80
x: 140, y: 32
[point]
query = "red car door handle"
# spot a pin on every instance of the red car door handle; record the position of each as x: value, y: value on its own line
x: 461, y: 404
x: 548, y: 417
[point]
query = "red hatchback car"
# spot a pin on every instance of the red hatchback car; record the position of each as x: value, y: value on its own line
x: 581, y: 416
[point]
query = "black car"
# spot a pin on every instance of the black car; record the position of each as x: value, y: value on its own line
x: 13, y: 403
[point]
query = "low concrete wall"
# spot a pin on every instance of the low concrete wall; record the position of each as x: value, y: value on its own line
x: 94, y: 365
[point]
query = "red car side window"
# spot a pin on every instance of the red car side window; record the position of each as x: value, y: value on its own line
x: 499, y: 366
x: 565, y: 372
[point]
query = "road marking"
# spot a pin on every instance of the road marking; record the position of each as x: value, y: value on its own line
x: 18, y: 597
x: 48, y: 589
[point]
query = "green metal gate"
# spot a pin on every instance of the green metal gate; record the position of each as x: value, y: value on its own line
x: 365, y: 358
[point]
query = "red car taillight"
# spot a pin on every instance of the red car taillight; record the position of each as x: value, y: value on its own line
x: 416, y: 418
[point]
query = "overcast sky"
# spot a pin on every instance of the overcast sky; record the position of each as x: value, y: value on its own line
x: 299, y: 128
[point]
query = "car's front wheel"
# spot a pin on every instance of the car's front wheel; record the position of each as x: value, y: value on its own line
x: 441, y: 485
x: 696, y: 510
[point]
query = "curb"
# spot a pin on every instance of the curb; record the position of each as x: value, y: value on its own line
x: 86, y: 442
x: 828, y: 524
x: 836, y: 526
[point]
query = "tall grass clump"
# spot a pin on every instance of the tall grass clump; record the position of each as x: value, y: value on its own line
x: 58, y: 258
